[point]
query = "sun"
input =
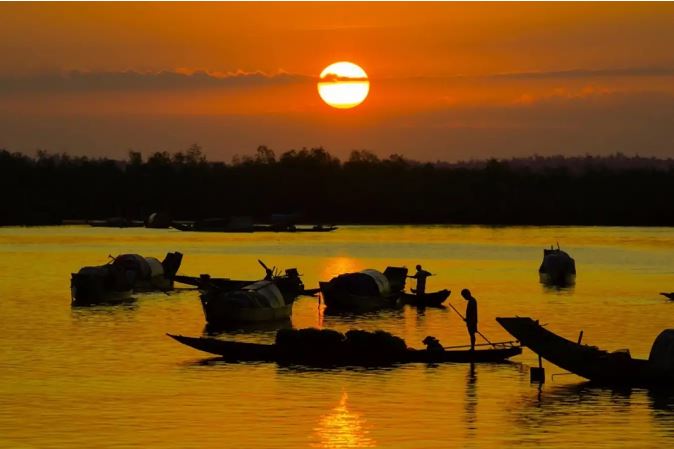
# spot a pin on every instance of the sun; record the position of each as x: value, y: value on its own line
x: 343, y: 85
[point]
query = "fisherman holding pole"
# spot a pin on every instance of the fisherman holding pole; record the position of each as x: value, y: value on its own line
x: 471, y: 316
x: 420, y: 276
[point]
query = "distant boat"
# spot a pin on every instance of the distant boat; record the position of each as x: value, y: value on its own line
x: 433, y: 299
x: 116, y: 222
x: 230, y: 224
x: 668, y: 295
x: 245, y: 224
x: 557, y: 268
x: 331, y: 348
x: 365, y: 290
x: 125, y: 274
x: 590, y: 362
x: 158, y: 220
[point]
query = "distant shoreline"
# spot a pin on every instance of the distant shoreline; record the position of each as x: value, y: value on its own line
x: 313, y: 187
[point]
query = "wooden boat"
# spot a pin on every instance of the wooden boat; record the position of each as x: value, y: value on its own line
x: 123, y: 275
x: 364, y: 291
x: 259, y: 301
x: 234, y: 351
x: 668, y: 295
x: 244, y: 224
x: 116, y: 222
x: 590, y: 362
x: 557, y: 268
x: 434, y: 299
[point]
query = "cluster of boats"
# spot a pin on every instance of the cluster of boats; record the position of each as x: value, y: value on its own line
x: 234, y: 224
x: 227, y: 302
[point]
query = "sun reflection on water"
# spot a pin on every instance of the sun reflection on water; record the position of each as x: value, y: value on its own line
x: 342, y: 428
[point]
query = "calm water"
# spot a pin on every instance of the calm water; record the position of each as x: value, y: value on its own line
x: 108, y: 377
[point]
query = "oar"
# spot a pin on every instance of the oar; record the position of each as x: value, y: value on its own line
x: 478, y: 332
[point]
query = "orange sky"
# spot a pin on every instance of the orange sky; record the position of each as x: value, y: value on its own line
x: 448, y: 81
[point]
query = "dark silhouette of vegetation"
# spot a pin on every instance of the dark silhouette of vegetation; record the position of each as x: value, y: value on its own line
x: 364, y: 189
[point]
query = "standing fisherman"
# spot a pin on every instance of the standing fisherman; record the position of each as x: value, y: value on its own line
x: 420, y: 276
x: 471, y: 316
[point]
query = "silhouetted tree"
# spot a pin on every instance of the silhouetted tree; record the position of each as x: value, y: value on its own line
x: 615, y: 190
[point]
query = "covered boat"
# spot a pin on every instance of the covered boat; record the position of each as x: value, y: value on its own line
x: 259, y: 301
x: 557, y: 268
x: 125, y: 274
x: 590, y: 362
x: 314, y: 347
x: 365, y: 290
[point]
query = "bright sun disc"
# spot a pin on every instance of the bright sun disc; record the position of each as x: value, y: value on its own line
x: 343, y: 85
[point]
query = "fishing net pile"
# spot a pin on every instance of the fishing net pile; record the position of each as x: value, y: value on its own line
x: 357, y: 345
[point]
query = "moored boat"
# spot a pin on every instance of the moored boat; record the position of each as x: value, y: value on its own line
x: 259, y: 301
x: 116, y: 222
x: 590, y: 362
x: 558, y: 268
x: 331, y: 348
x: 365, y: 290
x: 433, y: 299
x: 245, y: 224
x: 123, y: 275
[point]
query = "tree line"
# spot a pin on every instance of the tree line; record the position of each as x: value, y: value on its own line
x: 365, y: 188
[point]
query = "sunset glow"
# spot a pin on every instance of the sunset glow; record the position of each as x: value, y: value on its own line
x: 450, y: 81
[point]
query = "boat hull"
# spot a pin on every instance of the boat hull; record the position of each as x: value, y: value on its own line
x: 340, y: 301
x: 594, y: 364
x: 238, y: 351
x: 434, y: 299
x: 87, y: 295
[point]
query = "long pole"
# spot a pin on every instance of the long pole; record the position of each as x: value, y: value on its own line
x: 478, y: 332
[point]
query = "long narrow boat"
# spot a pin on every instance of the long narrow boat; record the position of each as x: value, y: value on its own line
x: 434, y: 299
x: 590, y: 362
x: 234, y: 351
x: 239, y: 226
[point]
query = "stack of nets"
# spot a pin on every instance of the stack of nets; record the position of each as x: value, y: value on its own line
x: 330, y: 345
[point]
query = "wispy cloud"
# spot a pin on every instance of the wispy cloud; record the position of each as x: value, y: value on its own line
x: 81, y: 81
x: 589, y: 73
x: 334, y: 78
x: 570, y: 74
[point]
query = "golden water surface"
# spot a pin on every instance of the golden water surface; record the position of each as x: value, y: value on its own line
x: 108, y: 377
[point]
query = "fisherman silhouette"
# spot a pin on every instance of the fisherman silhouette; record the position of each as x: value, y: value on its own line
x: 420, y: 276
x: 471, y: 316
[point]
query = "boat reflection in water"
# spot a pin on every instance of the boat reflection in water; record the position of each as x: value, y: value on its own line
x: 342, y: 428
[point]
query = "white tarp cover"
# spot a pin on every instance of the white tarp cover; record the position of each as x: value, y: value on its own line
x: 379, y: 278
x: 269, y: 290
x: 134, y: 262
